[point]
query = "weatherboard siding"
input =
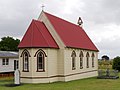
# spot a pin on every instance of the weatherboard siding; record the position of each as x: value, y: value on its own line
x: 25, y: 74
x: 58, y: 66
x: 50, y: 66
x: 77, y: 73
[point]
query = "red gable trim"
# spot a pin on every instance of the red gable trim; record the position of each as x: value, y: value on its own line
x: 72, y: 35
x: 37, y: 35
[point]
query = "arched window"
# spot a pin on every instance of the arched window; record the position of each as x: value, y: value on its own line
x: 81, y: 59
x: 87, y: 60
x: 25, y: 54
x: 25, y: 62
x: 40, y: 54
x: 40, y: 62
x: 73, y: 60
x: 93, y: 56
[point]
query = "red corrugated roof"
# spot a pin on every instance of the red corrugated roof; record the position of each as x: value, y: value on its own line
x: 37, y: 35
x: 72, y: 35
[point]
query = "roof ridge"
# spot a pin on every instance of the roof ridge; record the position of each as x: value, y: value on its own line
x: 41, y: 33
x: 32, y: 33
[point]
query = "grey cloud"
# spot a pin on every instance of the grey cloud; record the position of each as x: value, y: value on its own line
x: 16, y: 15
x: 109, y: 47
x: 102, y: 11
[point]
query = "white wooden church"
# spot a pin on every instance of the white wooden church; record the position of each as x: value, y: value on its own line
x: 54, y: 49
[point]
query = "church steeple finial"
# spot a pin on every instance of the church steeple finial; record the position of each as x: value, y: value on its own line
x: 42, y: 7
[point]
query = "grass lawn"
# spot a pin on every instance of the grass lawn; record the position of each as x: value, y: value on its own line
x: 83, y: 84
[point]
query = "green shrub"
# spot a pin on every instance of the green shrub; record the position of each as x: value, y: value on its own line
x: 111, y: 62
x: 104, y: 64
x: 116, y: 63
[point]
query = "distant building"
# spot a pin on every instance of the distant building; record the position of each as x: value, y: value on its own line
x: 54, y: 49
x: 8, y: 61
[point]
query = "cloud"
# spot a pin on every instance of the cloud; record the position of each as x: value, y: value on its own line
x: 101, y: 19
x: 15, y: 16
x: 109, y: 47
x: 102, y: 11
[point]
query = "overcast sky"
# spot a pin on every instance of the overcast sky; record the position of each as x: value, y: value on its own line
x: 101, y: 19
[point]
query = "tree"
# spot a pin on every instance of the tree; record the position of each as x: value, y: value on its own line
x: 116, y: 63
x: 105, y: 57
x: 9, y: 44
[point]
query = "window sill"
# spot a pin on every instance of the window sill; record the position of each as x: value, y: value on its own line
x: 40, y: 71
x: 81, y: 67
x: 73, y: 68
x: 25, y: 71
x: 5, y: 65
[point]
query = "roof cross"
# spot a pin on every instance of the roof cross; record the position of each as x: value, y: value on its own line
x: 42, y: 7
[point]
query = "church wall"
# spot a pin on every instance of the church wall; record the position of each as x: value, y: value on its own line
x: 52, y: 62
x: 58, y: 66
x: 80, y: 76
x: 50, y: 67
x: 50, y: 73
x: 34, y: 64
x: 24, y: 74
x: 39, y: 80
x: 79, y: 73
x: 60, y: 62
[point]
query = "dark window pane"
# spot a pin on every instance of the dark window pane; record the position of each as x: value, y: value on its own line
x: 3, y: 61
x: 87, y: 62
x: 40, y: 62
x: 17, y: 65
x: 7, y: 61
x: 25, y: 62
x: 92, y: 61
x: 81, y: 62
x: 73, y: 63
